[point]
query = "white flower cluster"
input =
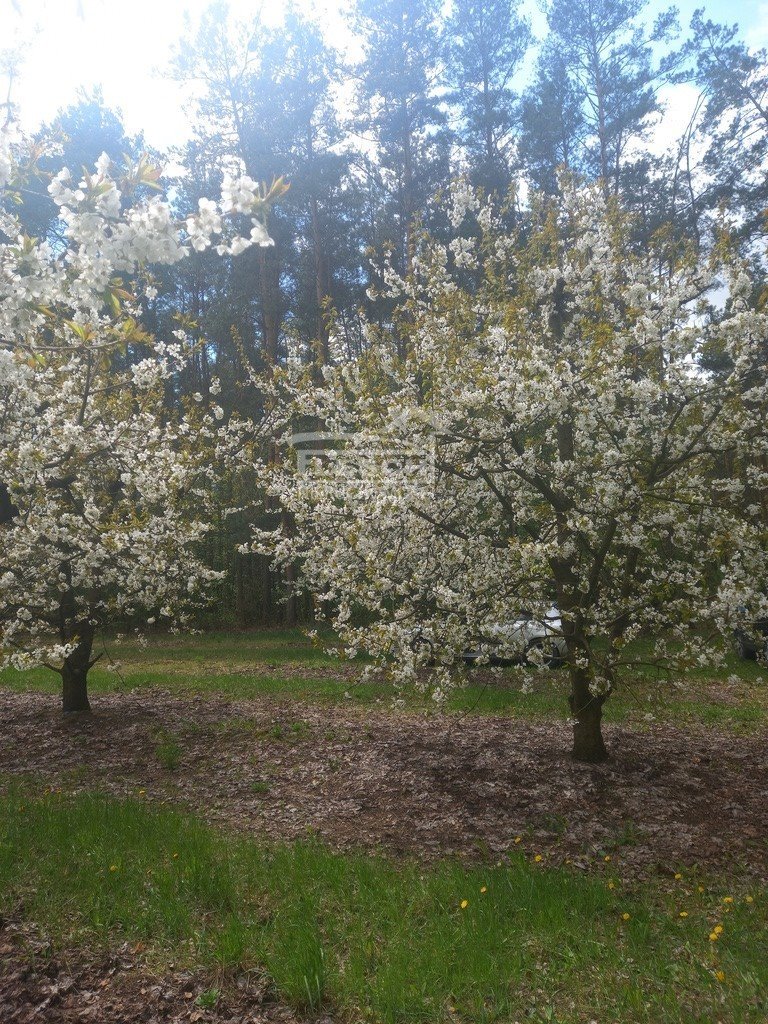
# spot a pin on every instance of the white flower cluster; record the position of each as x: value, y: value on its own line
x: 105, y: 237
x: 103, y: 498
x: 552, y: 441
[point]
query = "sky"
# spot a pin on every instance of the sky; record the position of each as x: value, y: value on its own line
x: 63, y: 46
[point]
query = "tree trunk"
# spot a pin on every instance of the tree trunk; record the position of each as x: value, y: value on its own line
x: 74, y: 673
x: 269, y: 282
x: 289, y: 575
x: 322, y: 285
x: 291, y: 604
x: 587, y: 710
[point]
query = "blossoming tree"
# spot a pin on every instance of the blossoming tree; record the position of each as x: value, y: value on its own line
x: 549, y: 436
x: 104, y: 493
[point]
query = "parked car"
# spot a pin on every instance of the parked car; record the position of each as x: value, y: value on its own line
x: 510, y: 643
x: 538, y: 641
x: 753, y: 642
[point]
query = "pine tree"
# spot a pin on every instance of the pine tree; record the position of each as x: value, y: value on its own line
x: 734, y: 124
x: 552, y: 123
x: 400, y: 111
x: 487, y: 42
x: 608, y: 54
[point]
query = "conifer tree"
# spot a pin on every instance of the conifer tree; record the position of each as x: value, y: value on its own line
x: 487, y: 40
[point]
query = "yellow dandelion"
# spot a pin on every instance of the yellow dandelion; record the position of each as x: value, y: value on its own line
x: 683, y: 913
x: 175, y: 856
x: 749, y: 899
x: 538, y: 858
x: 728, y: 899
x: 483, y: 888
x: 625, y: 916
x: 611, y: 885
x: 464, y: 904
x: 142, y: 792
x: 113, y: 867
x: 713, y: 936
x: 518, y: 839
x: 701, y: 888
x: 607, y: 858
x: 678, y: 876
x: 718, y: 929
x: 720, y: 975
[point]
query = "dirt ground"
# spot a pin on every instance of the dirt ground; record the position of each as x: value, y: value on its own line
x: 403, y: 783
x: 412, y: 783
x: 38, y: 987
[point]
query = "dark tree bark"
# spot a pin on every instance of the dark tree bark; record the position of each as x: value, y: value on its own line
x: 586, y: 707
x: 587, y: 710
x: 74, y: 672
x: 8, y: 510
x: 289, y: 575
x: 322, y: 284
x: 269, y: 281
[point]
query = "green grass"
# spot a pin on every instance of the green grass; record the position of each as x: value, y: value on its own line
x: 279, y: 663
x: 374, y: 940
x: 168, y: 751
x: 270, y: 646
x: 368, y: 938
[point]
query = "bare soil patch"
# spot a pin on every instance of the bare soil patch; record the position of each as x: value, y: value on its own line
x: 38, y: 985
x: 417, y: 784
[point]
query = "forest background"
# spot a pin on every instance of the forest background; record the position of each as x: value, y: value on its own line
x: 370, y: 114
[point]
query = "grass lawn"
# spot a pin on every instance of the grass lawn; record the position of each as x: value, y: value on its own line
x: 373, y: 938
x: 281, y: 663
x: 377, y: 940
